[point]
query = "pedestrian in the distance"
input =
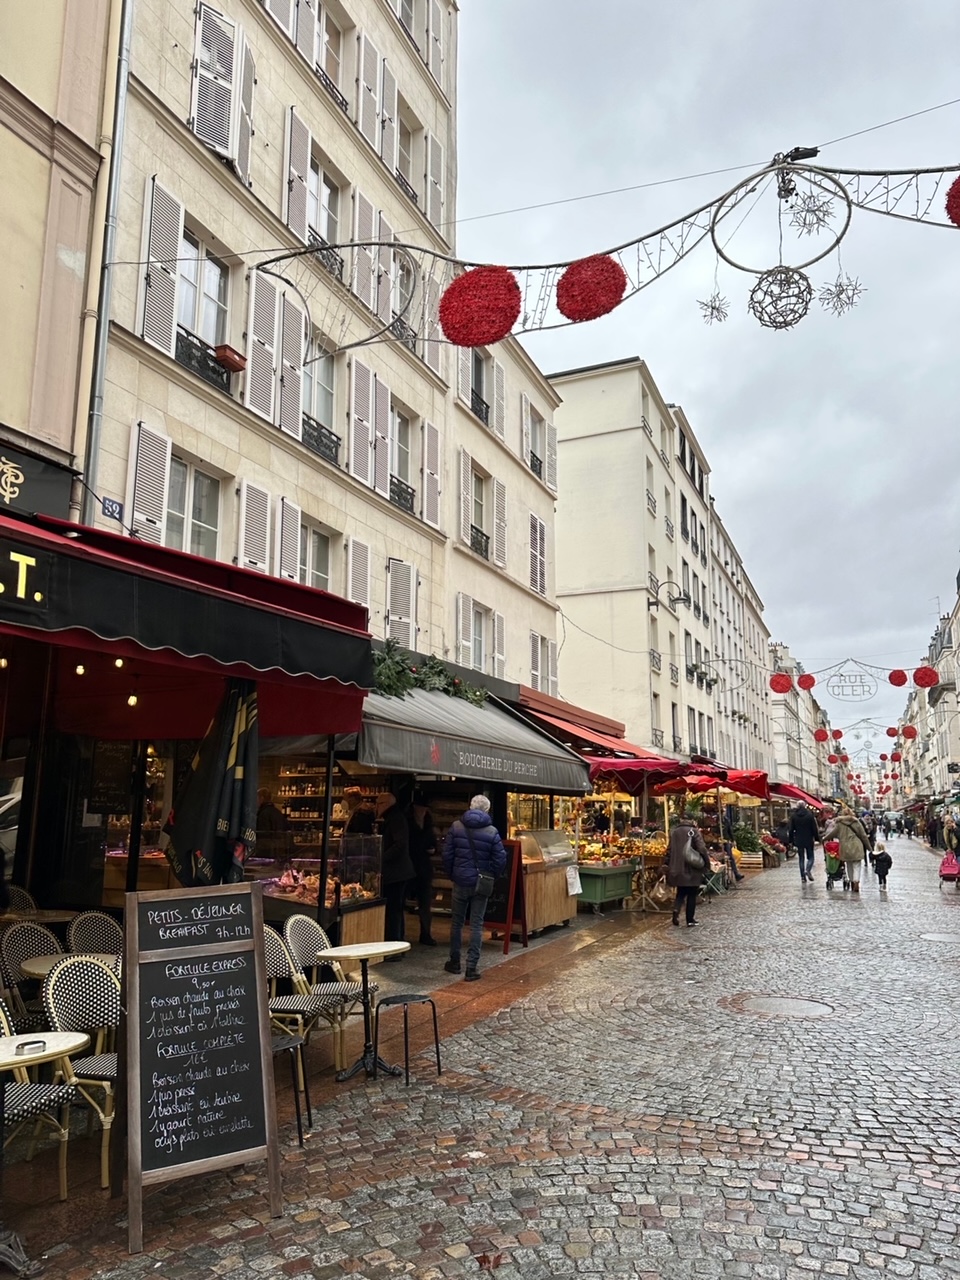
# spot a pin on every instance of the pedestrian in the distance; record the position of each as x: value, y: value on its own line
x: 683, y: 872
x: 397, y: 866
x: 423, y: 845
x: 473, y: 855
x: 882, y: 862
x: 804, y: 833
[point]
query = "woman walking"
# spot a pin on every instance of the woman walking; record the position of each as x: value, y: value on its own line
x: 684, y: 872
x: 854, y: 842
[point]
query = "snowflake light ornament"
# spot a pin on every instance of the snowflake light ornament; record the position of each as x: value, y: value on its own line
x: 715, y: 308
x: 842, y: 295
x: 811, y: 213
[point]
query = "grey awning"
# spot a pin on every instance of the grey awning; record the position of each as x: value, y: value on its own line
x: 429, y: 732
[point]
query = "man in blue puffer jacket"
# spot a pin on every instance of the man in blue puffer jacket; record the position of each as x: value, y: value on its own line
x: 472, y: 848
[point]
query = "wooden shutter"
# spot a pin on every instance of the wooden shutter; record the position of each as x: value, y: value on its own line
x: 538, y: 575
x: 261, y: 373
x: 552, y: 681
x: 465, y: 374
x: 307, y: 30
x: 365, y: 262
x: 432, y: 349
x: 402, y: 603
x: 464, y: 629
x: 385, y: 272
x: 499, y: 523
x: 433, y: 180
x: 286, y: 540
x: 526, y: 445
x: 430, y: 475
x: 290, y: 364
x: 368, y: 99
x: 149, y: 482
x: 214, y: 80
x: 434, y: 58
x: 388, y: 119
x: 551, y: 473
x: 246, y: 78
x: 361, y: 422
x: 381, y: 438
x: 299, y: 146
x: 254, y: 527
x: 282, y: 11
x: 466, y: 495
x: 534, y: 660
x: 499, y: 401
x: 163, y: 232
x: 358, y: 572
x: 499, y: 646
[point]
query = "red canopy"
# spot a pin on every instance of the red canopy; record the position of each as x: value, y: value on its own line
x: 748, y: 782
x: 787, y: 791
x: 632, y: 775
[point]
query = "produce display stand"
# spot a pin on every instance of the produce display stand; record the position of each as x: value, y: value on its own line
x: 602, y: 884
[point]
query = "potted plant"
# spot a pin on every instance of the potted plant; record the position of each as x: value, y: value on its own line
x: 230, y: 358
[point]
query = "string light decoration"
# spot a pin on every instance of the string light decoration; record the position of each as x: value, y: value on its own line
x: 811, y: 213
x: 842, y: 295
x: 715, y: 309
x: 781, y: 298
x: 590, y: 288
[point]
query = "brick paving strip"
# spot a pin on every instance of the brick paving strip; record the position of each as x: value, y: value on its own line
x: 769, y: 1095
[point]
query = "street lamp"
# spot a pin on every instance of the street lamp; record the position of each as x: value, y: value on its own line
x: 681, y: 597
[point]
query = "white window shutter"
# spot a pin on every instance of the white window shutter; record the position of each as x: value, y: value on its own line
x: 534, y: 660
x: 385, y: 272
x: 388, y: 119
x: 552, y: 682
x: 433, y: 180
x: 464, y: 629
x: 365, y: 262
x: 430, y: 475
x: 432, y: 346
x: 261, y: 372
x: 499, y: 401
x: 361, y: 422
x: 163, y: 231
x: 466, y: 495
x: 381, y: 438
x: 290, y: 364
x: 286, y: 540
x: 526, y: 445
x: 148, y: 483
x: 465, y: 373
x: 402, y: 603
x: 214, y: 83
x: 499, y: 523
x: 254, y: 528
x: 246, y: 79
x: 307, y: 30
x: 499, y: 646
x: 299, y: 145
x: 358, y: 572
x: 551, y: 476
x: 282, y: 11
x: 538, y: 568
x: 434, y: 58
x: 368, y: 97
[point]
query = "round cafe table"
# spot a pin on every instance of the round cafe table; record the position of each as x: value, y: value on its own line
x: 365, y: 952
x: 40, y: 966
x: 56, y: 1044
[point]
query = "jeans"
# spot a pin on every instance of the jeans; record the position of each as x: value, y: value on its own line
x: 394, y: 923
x: 688, y: 893
x: 465, y: 901
x: 805, y: 858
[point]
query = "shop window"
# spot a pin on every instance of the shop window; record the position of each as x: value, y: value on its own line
x: 193, y: 510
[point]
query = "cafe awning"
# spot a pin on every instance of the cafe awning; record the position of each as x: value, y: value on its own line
x: 429, y: 732
x: 589, y: 739
x: 787, y: 791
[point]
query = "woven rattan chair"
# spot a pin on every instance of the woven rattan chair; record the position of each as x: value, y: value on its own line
x: 83, y: 994
x: 94, y: 933
x: 304, y: 938
x: 299, y: 1013
x: 22, y: 941
x: 20, y: 900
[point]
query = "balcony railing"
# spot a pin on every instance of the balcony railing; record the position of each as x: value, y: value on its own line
x: 677, y: 742
x: 685, y: 530
x: 321, y: 440
x: 480, y: 542
x: 403, y: 333
x: 655, y: 660
x: 651, y: 503
x: 480, y: 407
x: 657, y: 736
x: 536, y: 466
x: 691, y: 672
x: 402, y: 496
x: 666, y: 458
x: 332, y: 89
x: 694, y: 544
x: 328, y: 258
x: 653, y: 582
x: 409, y: 34
x: 646, y: 426
x: 697, y: 611
x: 668, y: 525
x: 194, y: 354
x: 405, y: 187
x: 692, y: 749
x: 674, y: 673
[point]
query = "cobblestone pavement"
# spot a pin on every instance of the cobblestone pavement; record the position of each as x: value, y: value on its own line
x: 768, y: 1095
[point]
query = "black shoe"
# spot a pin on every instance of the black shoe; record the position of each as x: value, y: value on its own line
x: 675, y: 918
x: 452, y: 966
x: 739, y: 878
x: 428, y: 942
x: 471, y: 975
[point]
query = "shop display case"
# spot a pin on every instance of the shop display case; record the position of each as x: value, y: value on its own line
x: 353, y: 875
x: 552, y: 847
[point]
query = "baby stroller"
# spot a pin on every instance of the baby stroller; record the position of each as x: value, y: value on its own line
x: 836, y: 869
x: 950, y: 871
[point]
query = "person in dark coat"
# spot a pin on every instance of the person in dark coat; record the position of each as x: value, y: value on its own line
x: 397, y: 866
x: 473, y: 846
x: 273, y: 833
x: 361, y: 814
x: 882, y: 862
x: 804, y: 834
x: 683, y: 877
x: 423, y: 845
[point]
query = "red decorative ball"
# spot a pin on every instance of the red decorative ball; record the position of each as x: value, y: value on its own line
x: 591, y: 288
x: 480, y: 307
x: 806, y: 681
x: 926, y: 677
x: 953, y: 202
x: 894, y: 777
x: 845, y: 759
x: 896, y: 757
x: 882, y: 757
x: 781, y: 682
x: 891, y: 732
x: 886, y: 775
x: 837, y: 734
x: 910, y: 731
x: 849, y: 777
x: 833, y: 759
x: 897, y: 677
x: 859, y: 776
x: 821, y: 735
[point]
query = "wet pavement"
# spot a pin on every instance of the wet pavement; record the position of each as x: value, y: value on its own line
x: 771, y: 1094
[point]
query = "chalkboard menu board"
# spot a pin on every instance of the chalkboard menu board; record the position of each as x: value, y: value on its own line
x: 507, y: 905
x: 112, y: 783
x: 199, y: 1062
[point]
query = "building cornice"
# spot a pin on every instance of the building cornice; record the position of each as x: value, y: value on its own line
x: 47, y: 136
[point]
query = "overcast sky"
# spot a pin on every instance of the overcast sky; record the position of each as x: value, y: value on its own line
x: 833, y: 445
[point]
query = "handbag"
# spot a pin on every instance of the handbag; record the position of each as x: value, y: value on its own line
x: 692, y: 860
x: 485, y: 881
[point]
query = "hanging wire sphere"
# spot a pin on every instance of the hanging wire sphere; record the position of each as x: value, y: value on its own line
x: 781, y: 298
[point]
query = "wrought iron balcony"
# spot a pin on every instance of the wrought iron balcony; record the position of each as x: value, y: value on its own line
x: 194, y: 354
x: 405, y: 187
x: 657, y: 736
x: 666, y: 459
x: 646, y: 426
x: 328, y: 258
x: 656, y: 661
x: 321, y: 440
x: 677, y: 743
x: 674, y: 673
x: 653, y: 581
x: 668, y: 525
x: 691, y: 672
x: 332, y: 89
x: 480, y: 407
x: 711, y: 755
x: 685, y: 530
x: 694, y: 544
x: 651, y: 503
x: 403, y: 333
x: 479, y: 542
x: 536, y: 465
x: 692, y: 750
x: 697, y: 611
x: 401, y: 495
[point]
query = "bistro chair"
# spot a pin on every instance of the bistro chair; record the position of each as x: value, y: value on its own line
x: 46, y: 1104
x: 293, y: 1045
x: 304, y: 938
x: 389, y: 1002
x: 22, y: 941
x: 295, y: 1014
x: 20, y: 900
x: 83, y: 994
x: 94, y: 933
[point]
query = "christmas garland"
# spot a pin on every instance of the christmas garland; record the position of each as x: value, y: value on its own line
x: 394, y: 675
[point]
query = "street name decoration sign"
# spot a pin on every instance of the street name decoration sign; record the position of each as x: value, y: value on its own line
x: 199, y: 1068
x: 855, y: 685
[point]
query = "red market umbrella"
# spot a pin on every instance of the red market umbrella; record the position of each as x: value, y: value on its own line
x: 787, y: 791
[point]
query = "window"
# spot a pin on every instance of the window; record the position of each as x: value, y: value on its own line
x: 538, y: 555
x: 478, y: 379
x: 479, y: 646
x: 405, y: 153
x: 685, y: 577
x: 684, y: 521
x: 224, y: 75
x: 682, y: 449
x: 408, y: 16
x: 400, y: 445
x: 314, y: 558
x: 477, y: 513
x: 202, y: 293
x: 692, y: 730
x: 543, y: 664
x: 329, y: 48
x: 538, y: 436
x: 403, y: 284
x: 323, y: 204
x: 655, y: 710
x: 193, y: 510
x: 319, y: 383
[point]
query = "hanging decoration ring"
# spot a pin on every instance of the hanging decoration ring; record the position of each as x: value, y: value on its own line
x: 823, y: 180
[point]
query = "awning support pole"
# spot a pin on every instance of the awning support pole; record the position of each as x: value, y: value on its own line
x: 136, y: 815
x: 325, y: 834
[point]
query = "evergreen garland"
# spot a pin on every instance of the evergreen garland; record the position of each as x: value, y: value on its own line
x: 395, y: 675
